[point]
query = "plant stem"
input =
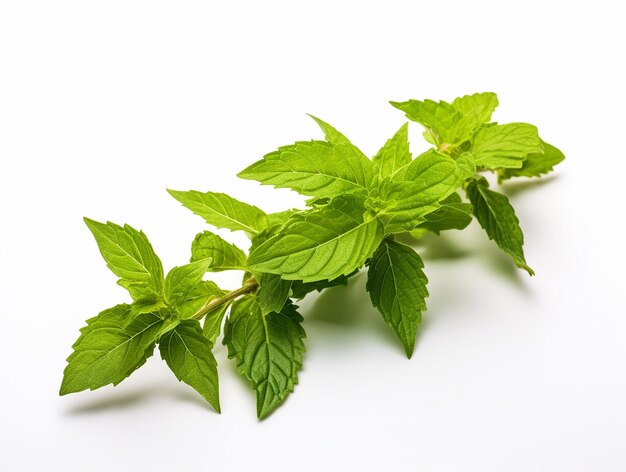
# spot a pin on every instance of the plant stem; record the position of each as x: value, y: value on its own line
x: 250, y: 286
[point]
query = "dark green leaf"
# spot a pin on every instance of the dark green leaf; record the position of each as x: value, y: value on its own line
x: 497, y: 217
x: 273, y: 292
x: 397, y: 287
x: 188, y: 353
x: 268, y: 350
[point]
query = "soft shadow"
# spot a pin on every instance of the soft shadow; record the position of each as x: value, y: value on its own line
x: 441, y: 248
x: 349, y: 309
x: 514, y: 187
x: 122, y: 400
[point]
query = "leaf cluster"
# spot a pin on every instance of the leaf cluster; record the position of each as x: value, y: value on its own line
x: 356, y: 207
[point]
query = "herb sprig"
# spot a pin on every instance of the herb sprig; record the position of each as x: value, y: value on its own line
x: 356, y: 208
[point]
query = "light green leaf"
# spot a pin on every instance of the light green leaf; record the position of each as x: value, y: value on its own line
x: 453, y: 214
x: 315, y: 168
x: 197, y: 297
x: 268, y: 350
x: 281, y: 217
x: 477, y: 108
x: 320, y: 245
x: 107, y: 352
x: 130, y: 256
x: 330, y: 133
x: 536, y: 164
x: 397, y: 287
x: 395, y: 153
x: 416, y: 190
x: 449, y: 125
x: 223, y: 211
x: 497, y: 217
x: 180, y: 281
x: 507, y: 145
x: 467, y: 166
x: 224, y: 256
x: 273, y: 292
x: 439, y: 118
x: 188, y: 354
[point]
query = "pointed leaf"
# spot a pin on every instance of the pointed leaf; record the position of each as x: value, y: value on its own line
x: 330, y: 133
x: 107, y: 352
x: 536, y: 164
x: 268, y: 350
x: 188, y: 354
x: 300, y: 289
x: 453, y: 214
x: 181, y: 281
x: 505, y: 145
x: 315, y: 168
x: 224, y: 256
x: 497, y: 217
x: 212, y: 326
x: 273, y: 292
x: 223, y: 211
x: 477, y: 108
x: 416, y: 190
x: 320, y: 245
x: 130, y: 256
x: 201, y: 294
x: 397, y: 287
x: 395, y: 153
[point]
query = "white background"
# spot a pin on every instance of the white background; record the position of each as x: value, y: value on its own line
x: 103, y: 105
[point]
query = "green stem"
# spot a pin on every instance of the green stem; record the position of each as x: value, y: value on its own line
x: 250, y: 286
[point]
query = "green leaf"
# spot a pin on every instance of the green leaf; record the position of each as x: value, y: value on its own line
x: 330, y: 133
x: 450, y: 125
x: 453, y: 214
x: 281, y: 217
x: 497, y: 217
x: 300, y: 289
x: 320, y: 245
x: 107, y: 352
x: 416, y: 190
x: 130, y: 256
x: 467, y: 166
x: 536, y: 164
x: 223, y: 211
x: 188, y: 354
x: 477, y: 108
x: 507, y: 145
x: 268, y: 350
x: 395, y: 153
x: 181, y: 281
x: 397, y: 287
x: 197, y: 297
x: 315, y: 168
x: 225, y: 256
x: 213, y: 323
x: 273, y: 292
x: 439, y: 118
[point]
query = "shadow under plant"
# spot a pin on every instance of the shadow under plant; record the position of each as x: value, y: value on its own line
x: 381, y: 213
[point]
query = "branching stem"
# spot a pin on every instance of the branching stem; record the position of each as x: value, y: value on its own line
x: 250, y: 286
